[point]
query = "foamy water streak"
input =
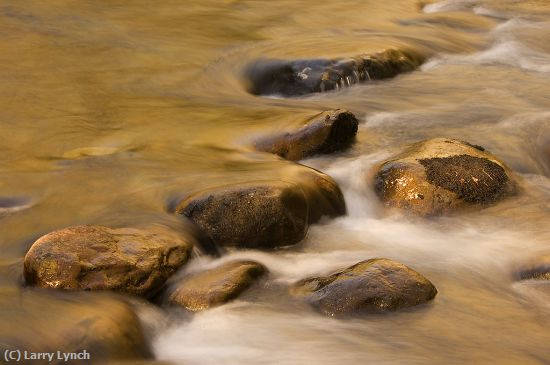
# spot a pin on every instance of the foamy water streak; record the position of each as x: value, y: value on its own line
x: 505, y: 50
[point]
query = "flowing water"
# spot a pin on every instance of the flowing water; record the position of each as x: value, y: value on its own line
x: 110, y: 110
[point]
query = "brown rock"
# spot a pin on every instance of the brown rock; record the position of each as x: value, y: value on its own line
x: 100, y: 258
x: 45, y: 321
x: 326, y: 132
x: 440, y: 176
x: 216, y: 286
x: 375, y: 285
x: 265, y: 214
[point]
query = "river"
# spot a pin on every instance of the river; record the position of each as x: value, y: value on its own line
x: 110, y: 110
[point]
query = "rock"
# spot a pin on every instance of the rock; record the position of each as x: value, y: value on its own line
x: 99, y: 258
x: 264, y: 214
x: 327, y: 132
x: 538, y: 269
x: 295, y: 78
x: 376, y: 285
x: 216, y: 286
x: 440, y: 176
x: 39, y: 321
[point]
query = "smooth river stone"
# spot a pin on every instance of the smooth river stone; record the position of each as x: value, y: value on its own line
x: 129, y: 260
x: 264, y: 214
x: 327, y: 132
x: 375, y: 285
x: 216, y: 286
x: 441, y: 176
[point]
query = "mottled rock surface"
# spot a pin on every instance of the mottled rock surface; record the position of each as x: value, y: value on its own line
x: 264, y: 214
x: 129, y: 260
x: 326, y: 132
x: 216, y: 286
x: 301, y: 77
x: 49, y: 321
x: 538, y: 269
x: 440, y: 176
x: 375, y: 285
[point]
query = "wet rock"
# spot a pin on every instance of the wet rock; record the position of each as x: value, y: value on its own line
x: 38, y: 321
x: 216, y: 286
x: 265, y: 214
x: 376, y: 285
x: 538, y: 269
x: 129, y: 260
x: 295, y: 78
x: 441, y: 176
x: 327, y: 132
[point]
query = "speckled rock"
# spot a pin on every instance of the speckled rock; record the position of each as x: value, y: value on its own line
x: 440, y: 176
x: 51, y: 321
x: 538, y: 268
x: 301, y: 77
x: 264, y: 214
x: 216, y: 286
x: 375, y: 285
x: 129, y: 260
x: 326, y: 132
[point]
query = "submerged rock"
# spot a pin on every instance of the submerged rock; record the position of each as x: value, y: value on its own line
x: 216, y: 286
x: 10, y: 205
x: 538, y: 269
x: 375, y: 285
x: 264, y: 214
x: 440, y: 176
x: 99, y: 258
x: 300, y: 77
x: 327, y: 132
x: 38, y: 321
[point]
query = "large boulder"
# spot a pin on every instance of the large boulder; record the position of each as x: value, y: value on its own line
x: 440, y: 176
x: 216, y: 286
x: 48, y: 322
x: 326, y: 132
x: 135, y: 261
x: 264, y: 214
x: 300, y: 77
x: 376, y: 285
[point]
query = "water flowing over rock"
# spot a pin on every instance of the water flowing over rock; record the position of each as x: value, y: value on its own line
x: 441, y: 176
x: 264, y: 214
x: 301, y: 77
x: 129, y: 260
x: 47, y: 321
x: 216, y: 286
x: 327, y: 132
x: 375, y: 285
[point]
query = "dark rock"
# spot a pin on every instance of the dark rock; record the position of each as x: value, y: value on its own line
x: 99, y: 258
x: 440, y: 176
x: 39, y: 321
x: 265, y: 214
x: 327, y: 132
x: 538, y: 269
x: 295, y: 78
x: 376, y: 285
x: 216, y: 286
